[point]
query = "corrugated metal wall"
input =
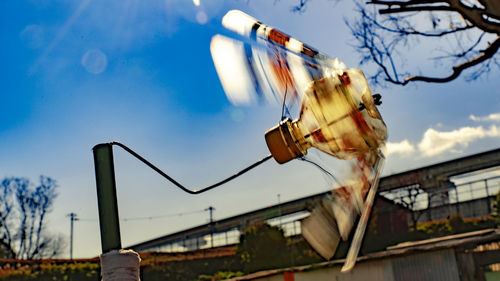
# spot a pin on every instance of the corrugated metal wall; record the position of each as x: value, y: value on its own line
x: 377, y: 270
x: 439, y: 266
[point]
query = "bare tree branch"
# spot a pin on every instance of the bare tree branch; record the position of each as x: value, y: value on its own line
x: 491, y: 8
x: 47, y: 194
x: 471, y: 48
x: 415, y: 9
x: 404, y: 31
x: 406, y: 3
x: 485, y: 55
x: 23, y: 209
x: 6, y: 211
x: 476, y: 15
x: 21, y: 193
x: 300, y: 7
x: 402, y: 28
x: 385, y: 40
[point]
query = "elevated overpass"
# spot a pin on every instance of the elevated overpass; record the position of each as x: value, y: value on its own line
x: 426, y: 178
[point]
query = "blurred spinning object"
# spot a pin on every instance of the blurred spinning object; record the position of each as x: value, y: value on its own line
x: 338, y: 115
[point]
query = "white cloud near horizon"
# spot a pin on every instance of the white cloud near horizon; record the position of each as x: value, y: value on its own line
x: 403, y: 148
x: 436, y: 142
x: 490, y: 117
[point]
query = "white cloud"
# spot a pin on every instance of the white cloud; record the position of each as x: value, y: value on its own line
x: 403, y: 147
x: 491, y: 117
x: 436, y: 142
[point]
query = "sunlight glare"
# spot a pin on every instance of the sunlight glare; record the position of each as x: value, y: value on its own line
x: 238, y: 22
x: 231, y: 67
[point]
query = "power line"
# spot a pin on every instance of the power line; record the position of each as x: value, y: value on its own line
x: 153, y: 217
x: 163, y: 216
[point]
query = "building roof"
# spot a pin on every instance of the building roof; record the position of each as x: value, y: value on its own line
x: 465, y: 240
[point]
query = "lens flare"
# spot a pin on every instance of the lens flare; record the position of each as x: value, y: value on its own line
x: 94, y: 61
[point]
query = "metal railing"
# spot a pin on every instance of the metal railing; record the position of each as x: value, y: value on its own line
x: 417, y: 199
x: 455, y: 199
x: 290, y: 225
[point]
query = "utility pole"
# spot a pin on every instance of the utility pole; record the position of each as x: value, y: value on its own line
x: 279, y: 208
x: 211, y: 209
x: 72, y: 217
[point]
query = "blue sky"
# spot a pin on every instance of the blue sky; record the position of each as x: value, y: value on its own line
x: 78, y: 73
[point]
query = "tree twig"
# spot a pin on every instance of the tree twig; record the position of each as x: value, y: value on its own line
x: 415, y: 9
x: 486, y: 54
x: 406, y: 3
x: 404, y: 31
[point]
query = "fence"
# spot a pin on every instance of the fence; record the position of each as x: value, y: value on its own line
x: 290, y: 225
x: 469, y: 199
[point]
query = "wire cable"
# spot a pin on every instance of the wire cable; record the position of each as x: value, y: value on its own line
x: 149, y: 217
x: 162, y: 216
x: 321, y: 168
x: 149, y: 164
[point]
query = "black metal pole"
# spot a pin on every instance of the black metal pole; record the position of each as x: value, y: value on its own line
x: 106, y: 197
x: 106, y: 190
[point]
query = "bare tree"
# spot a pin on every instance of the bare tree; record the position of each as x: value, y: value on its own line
x: 387, y: 33
x: 409, y: 197
x: 7, y: 211
x: 23, y: 210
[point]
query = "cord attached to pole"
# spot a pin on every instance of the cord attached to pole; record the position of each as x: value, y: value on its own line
x: 149, y: 164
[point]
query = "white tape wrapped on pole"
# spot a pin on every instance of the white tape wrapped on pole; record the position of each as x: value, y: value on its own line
x: 123, y: 265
